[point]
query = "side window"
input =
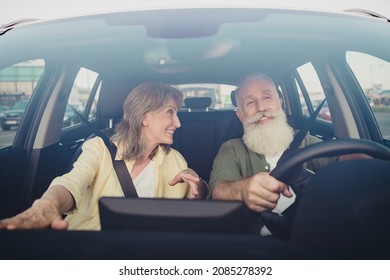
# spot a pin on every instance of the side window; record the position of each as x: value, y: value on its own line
x: 81, y: 98
x: 311, y: 93
x: 373, y: 75
x: 17, y: 84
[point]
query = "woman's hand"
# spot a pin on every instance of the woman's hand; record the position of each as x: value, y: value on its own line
x: 43, y: 213
x: 197, y: 188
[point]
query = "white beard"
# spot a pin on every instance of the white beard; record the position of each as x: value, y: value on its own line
x: 270, y: 138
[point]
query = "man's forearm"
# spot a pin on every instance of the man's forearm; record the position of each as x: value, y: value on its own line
x: 228, y: 190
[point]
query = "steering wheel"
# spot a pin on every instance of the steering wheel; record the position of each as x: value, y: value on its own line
x: 291, y: 172
x: 329, y: 148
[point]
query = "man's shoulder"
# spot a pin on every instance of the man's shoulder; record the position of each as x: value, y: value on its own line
x: 234, y: 146
x: 236, y: 142
x: 310, y: 139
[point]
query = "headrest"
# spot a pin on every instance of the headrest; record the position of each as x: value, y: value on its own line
x: 113, y: 93
x: 197, y: 102
x: 233, y: 98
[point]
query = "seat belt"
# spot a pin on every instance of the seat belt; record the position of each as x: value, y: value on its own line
x: 122, y: 173
x: 301, y: 133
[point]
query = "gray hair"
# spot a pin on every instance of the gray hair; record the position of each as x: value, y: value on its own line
x: 144, y: 98
x: 244, y: 80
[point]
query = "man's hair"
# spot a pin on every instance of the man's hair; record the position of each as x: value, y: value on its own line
x: 144, y: 98
x: 257, y: 76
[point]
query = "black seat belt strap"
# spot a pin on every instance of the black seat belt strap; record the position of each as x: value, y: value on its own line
x: 302, y: 133
x: 122, y: 173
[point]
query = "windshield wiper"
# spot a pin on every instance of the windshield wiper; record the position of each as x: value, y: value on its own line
x: 8, y: 26
x: 368, y: 13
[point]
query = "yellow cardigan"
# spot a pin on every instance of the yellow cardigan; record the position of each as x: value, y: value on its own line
x: 93, y: 176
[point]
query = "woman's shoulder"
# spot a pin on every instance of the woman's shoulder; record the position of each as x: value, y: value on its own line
x: 94, y: 143
x: 171, y: 157
x: 174, y: 153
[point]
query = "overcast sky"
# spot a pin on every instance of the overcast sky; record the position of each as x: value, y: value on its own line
x: 16, y: 9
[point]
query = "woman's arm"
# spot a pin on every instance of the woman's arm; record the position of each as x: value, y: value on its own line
x: 45, y: 212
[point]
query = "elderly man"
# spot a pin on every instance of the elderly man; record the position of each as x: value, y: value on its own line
x: 241, y: 168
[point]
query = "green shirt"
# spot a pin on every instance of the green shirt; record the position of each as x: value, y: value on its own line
x: 235, y: 161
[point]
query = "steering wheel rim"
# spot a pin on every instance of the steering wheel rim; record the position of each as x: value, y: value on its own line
x: 329, y: 148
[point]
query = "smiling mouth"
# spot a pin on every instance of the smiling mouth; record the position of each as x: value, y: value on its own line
x: 263, y: 120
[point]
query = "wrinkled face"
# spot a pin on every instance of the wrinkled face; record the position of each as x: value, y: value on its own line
x: 159, y: 126
x: 258, y: 96
x: 266, y: 130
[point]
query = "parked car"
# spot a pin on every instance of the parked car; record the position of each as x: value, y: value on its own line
x: 2, y: 109
x: 97, y: 59
x: 12, y: 117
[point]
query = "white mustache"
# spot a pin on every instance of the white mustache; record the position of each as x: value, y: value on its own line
x: 254, y: 119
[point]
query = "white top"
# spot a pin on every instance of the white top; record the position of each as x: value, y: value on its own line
x: 272, y: 161
x: 144, y: 183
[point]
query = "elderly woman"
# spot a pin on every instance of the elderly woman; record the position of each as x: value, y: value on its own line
x: 143, y: 140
